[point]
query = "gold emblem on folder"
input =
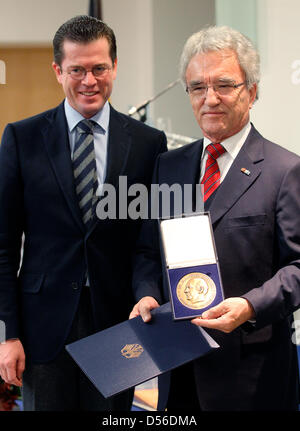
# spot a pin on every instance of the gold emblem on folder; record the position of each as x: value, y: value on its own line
x: 196, y: 290
x: 132, y: 351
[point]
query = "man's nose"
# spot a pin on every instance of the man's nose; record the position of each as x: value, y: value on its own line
x: 89, y: 78
x: 211, y: 97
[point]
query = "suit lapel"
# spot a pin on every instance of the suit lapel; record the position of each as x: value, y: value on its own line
x: 182, y: 166
x: 57, y: 145
x: 193, y: 161
x: 119, y: 145
x: 237, y: 182
x: 192, y: 175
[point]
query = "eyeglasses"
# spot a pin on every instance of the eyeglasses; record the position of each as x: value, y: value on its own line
x: 200, y: 90
x: 79, y: 73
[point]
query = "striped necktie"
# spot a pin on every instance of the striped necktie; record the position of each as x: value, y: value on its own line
x: 211, y: 178
x: 85, y: 170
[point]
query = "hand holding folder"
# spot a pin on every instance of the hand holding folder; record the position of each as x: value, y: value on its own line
x: 143, y: 308
x: 133, y: 352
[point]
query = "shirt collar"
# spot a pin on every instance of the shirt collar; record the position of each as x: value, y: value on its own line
x: 234, y: 143
x: 74, y: 117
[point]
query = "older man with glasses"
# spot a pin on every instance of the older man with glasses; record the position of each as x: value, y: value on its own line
x: 251, y: 187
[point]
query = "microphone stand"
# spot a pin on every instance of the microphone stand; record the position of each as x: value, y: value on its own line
x: 141, y: 109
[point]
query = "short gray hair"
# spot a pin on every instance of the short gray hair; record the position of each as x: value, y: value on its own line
x: 220, y: 38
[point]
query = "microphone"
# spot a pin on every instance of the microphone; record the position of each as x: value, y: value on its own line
x: 135, y: 110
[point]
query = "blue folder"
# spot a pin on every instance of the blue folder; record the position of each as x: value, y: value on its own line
x: 133, y: 352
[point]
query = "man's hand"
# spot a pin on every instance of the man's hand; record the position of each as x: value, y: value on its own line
x: 227, y: 315
x: 143, y: 308
x: 12, y: 362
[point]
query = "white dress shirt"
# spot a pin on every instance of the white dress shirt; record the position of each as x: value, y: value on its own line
x: 100, y: 137
x: 100, y: 141
x: 232, y: 146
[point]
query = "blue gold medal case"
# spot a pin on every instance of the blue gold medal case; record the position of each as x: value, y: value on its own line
x: 191, y: 264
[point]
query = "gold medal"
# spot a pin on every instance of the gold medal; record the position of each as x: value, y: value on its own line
x: 196, y: 290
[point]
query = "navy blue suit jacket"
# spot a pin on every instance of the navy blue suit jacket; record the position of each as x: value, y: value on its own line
x: 38, y: 198
x: 256, y: 226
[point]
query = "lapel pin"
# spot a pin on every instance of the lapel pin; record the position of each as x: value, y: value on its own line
x: 245, y: 171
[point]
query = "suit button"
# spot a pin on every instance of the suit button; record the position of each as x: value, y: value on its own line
x: 75, y: 286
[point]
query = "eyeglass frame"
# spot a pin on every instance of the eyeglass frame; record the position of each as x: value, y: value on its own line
x: 105, y: 68
x: 233, y: 86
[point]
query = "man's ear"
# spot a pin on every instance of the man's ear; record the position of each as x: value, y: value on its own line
x: 252, y: 92
x: 57, y: 71
x: 114, y: 70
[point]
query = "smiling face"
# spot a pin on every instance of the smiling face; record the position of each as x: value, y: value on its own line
x: 88, y: 95
x: 219, y: 116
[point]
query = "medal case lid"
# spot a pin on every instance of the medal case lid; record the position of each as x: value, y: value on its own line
x: 188, y: 240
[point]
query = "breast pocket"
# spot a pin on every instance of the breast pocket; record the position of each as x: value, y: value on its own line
x: 247, y: 221
x: 246, y: 250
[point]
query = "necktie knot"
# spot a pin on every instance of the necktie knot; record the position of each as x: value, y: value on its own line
x: 85, y: 127
x: 215, y: 150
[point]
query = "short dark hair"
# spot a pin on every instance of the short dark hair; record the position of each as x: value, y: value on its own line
x: 83, y: 29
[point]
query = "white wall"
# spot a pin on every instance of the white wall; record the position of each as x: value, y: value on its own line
x: 35, y: 21
x: 273, y: 25
x: 2, y: 72
x: 174, y: 22
x: 131, y: 21
x: 277, y: 113
x: 238, y: 14
x: 150, y: 36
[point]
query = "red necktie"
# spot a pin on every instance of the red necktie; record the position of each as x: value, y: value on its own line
x: 211, y: 178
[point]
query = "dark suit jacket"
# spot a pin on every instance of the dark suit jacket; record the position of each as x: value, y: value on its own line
x: 256, y: 225
x: 38, y: 198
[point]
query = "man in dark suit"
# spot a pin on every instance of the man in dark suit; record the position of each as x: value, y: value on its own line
x: 75, y: 276
x: 251, y: 187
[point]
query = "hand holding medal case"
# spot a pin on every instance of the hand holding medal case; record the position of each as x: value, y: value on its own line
x: 191, y: 265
